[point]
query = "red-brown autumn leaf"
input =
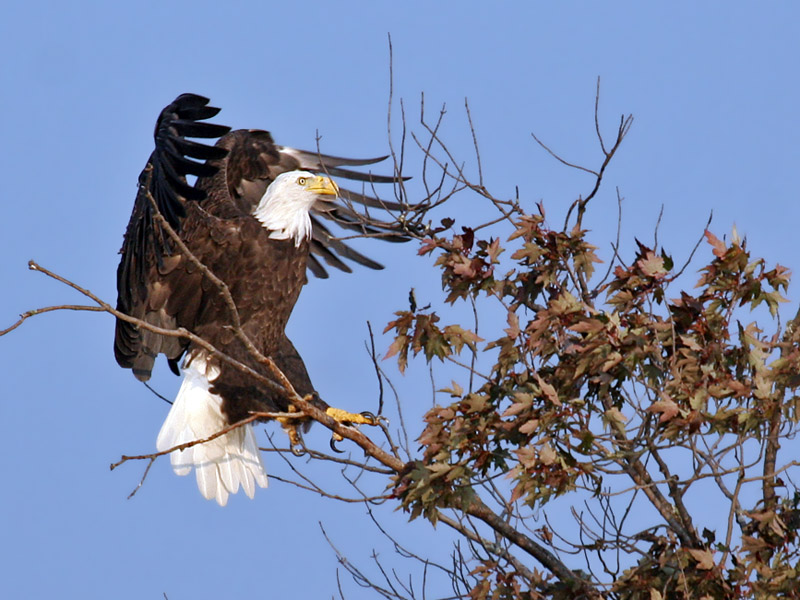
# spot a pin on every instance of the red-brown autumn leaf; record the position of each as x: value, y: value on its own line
x: 548, y: 390
x: 718, y: 245
x: 526, y: 456
x: 463, y: 266
x: 547, y: 456
x: 513, y: 330
x: 667, y: 408
x: 427, y: 245
x: 587, y: 326
x: 521, y: 402
x: 690, y: 343
x: 652, y: 265
x: 704, y: 558
x: 395, y: 347
x: 494, y: 250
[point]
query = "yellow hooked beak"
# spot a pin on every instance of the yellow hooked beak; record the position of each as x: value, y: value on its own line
x: 323, y: 186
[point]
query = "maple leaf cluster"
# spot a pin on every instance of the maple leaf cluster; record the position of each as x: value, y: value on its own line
x: 600, y: 379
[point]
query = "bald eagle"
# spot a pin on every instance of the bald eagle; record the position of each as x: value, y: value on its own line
x: 253, y: 219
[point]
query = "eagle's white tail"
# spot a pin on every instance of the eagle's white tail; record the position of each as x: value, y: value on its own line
x: 224, y: 463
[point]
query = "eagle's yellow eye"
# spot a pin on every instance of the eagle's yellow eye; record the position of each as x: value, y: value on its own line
x: 301, y: 181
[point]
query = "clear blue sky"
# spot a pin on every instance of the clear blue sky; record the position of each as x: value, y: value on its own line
x: 714, y: 88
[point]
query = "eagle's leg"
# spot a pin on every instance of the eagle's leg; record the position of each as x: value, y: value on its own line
x: 289, y: 425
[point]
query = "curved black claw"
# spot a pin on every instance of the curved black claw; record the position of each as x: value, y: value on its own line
x: 371, y: 416
x: 333, y: 445
x: 298, y: 449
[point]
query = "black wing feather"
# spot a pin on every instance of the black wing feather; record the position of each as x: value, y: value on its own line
x: 357, y: 176
x: 317, y: 269
x: 191, y: 128
x: 323, y: 250
x: 321, y: 236
x: 371, y: 202
x: 197, y: 150
x: 315, y: 161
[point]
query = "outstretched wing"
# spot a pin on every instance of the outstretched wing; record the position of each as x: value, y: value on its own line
x: 154, y: 282
x: 147, y: 251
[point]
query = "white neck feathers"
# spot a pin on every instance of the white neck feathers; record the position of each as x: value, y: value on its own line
x: 284, y: 207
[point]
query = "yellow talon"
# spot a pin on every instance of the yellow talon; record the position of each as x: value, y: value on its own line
x: 342, y: 416
x: 347, y: 418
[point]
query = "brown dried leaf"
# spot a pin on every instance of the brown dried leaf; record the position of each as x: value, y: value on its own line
x: 547, y: 456
x: 666, y: 407
x: 652, y: 265
x: 513, y: 330
x: 548, y: 390
x: 587, y: 326
x: 526, y: 457
x: 690, y: 342
x: 717, y: 245
x: 494, y: 250
x: 704, y: 558
x: 752, y: 544
x: 397, y: 344
x: 615, y: 418
x: 427, y: 245
x: 463, y: 266
x: 454, y: 390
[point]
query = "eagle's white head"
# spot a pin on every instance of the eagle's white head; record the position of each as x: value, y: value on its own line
x: 284, y: 207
